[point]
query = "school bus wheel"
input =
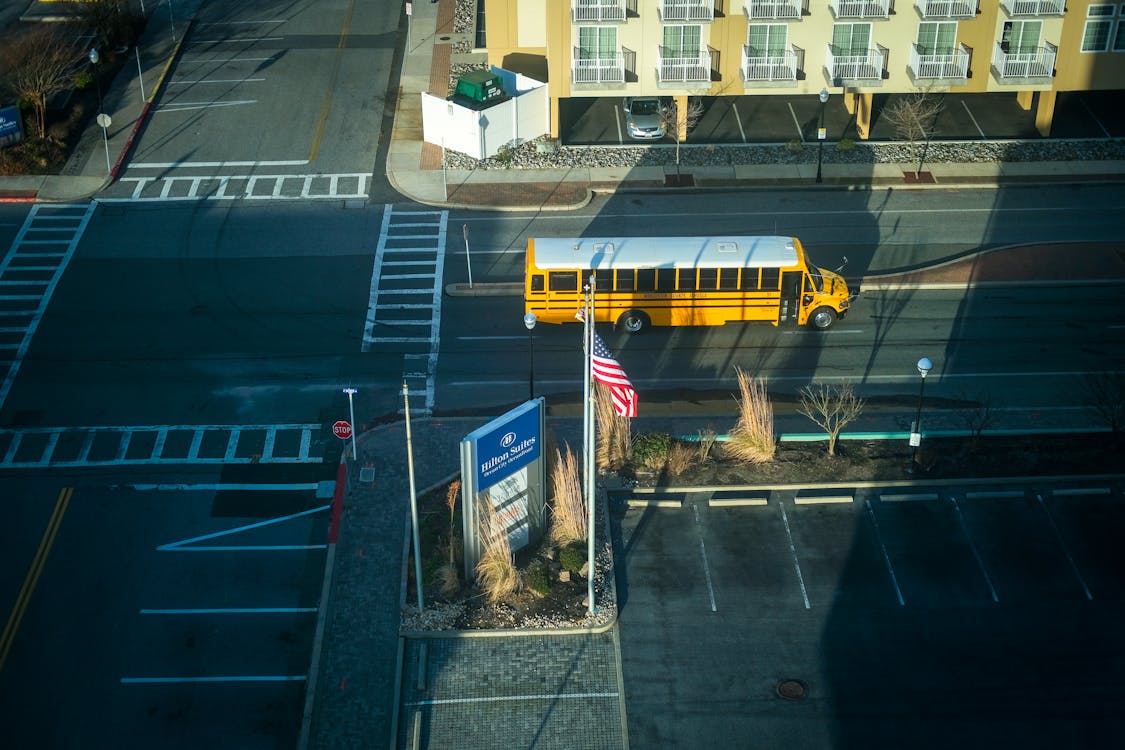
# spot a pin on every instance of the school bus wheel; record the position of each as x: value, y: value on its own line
x: 822, y: 318
x: 633, y: 321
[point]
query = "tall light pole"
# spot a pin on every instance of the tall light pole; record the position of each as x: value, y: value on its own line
x: 924, y: 367
x: 103, y: 119
x: 529, y: 321
x: 821, y: 134
x: 351, y: 413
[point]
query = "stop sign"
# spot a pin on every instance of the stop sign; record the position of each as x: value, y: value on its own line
x: 342, y: 429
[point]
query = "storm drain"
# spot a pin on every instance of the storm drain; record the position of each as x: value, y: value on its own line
x: 791, y: 690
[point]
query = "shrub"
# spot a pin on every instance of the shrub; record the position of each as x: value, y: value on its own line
x: 680, y: 458
x: 650, y: 449
x: 845, y: 144
x: 568, y: 511
x: 831, y: 407
x: 537, y: 578
x: 794, y: 146
x: 752, y: 439
x: 572, y: 557
x: 706, y: 443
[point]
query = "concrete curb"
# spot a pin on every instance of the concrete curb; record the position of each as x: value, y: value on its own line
x: 874, y: 484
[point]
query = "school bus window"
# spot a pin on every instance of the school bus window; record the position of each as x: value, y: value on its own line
x: 563, y: 281
x: 728, y: 279
x: 603, y: 280
x: 750, y: 279
x: 537, y: 282
x: 646, y: 279
x: 816, y: 281
x: 626, y: 279
x: 687, y: 280
x: 771, y: 279
x: 666, y: 279
x: 708, y: 279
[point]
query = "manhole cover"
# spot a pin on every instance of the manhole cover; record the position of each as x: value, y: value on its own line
x: 791, y: 690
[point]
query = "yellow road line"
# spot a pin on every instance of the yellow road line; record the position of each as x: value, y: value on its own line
x: 326, y: 105
x: 33, y: 573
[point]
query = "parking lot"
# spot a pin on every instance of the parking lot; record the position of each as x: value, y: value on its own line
x: 904, y: 617
x: 780, y: 119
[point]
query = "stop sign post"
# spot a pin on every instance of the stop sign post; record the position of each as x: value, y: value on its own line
x: 346, y: 426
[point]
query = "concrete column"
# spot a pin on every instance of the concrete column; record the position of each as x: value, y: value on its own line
x: 1025, y: 99
x: 849, y: 102
x: 681, y: 116
x: 554, y: 105
x: 1045, y: 112
x: 863, y: 115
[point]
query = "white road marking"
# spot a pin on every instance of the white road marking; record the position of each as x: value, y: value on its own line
x: 236, y: 40
x: 793, y: 552
x: 247, y: 187
x: 973, y: 547
x: 886, y: 556
x: 202, y: 60
x: 220, y: 487
x: 512, y: 698
x: 738, y: 120
x: 1062, y: 544
x: 231, y: 611
x: 703, y: 553
x: 796, y: 123
x: 231, y: 678
x: 215, y: 80
x: 975, y: 123
x: 189, y: 106
x: 182, y: 545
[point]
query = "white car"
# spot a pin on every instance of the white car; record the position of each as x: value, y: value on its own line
x: 644, y: 118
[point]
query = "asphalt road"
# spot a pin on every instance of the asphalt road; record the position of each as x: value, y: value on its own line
x: 966, y: 619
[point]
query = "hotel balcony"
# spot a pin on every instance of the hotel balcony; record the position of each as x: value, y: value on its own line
x: 695, y: 69
x: 597, y: 11
x: 947, y: 8
x: 598, y: 69
x: 1036, y: 66
x: 952, y: 67
x: 1033, y: 7
x: 698, y: 11
x: 773, y: 10
x: 860, y: 8
x: 865, y: 68
x: 769, y: 68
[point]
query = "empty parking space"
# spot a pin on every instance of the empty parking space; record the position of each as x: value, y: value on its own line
x: 1092, y: 526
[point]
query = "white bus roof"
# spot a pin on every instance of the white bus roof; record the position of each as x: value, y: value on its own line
x: 557, y: 253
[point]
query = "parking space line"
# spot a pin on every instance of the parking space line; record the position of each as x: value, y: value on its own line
x: 703, y: 552
x: 617, y: 121
x: 973, y: 547
x: 823, y: 499
x: 1071, y: 491
x: 737, y: 119
x: 796, y: 123
x: 793, y: 552
x: 231, y: 611
x: 1094, y: 117
x: 886, y: 555
x: 180, y: 545
x: 906, y: 497
x: 224, y: 487
x: 215, y: 80
x: 1062, y: 543
x: 975, y: 123
x: 504, y: 698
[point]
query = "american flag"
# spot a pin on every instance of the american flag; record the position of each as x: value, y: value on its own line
x: 605, y: 369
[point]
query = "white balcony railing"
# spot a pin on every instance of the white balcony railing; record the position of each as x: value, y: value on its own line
x: 687, y: 10
x: 954, y: 64
x: 947, y: 8
x: 1034, y: 7
x: 772, y: 9
x: 598, y: 69
x: 867, y: 66
x: 778, y: 67
x: 695, y: 69
x: 594, y: 11
x: 861, y: 8
x: 1039, y: 63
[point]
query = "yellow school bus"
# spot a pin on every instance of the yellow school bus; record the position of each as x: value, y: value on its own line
x: 681, y: 281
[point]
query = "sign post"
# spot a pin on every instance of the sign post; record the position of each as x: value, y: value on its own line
x: 351, y: 414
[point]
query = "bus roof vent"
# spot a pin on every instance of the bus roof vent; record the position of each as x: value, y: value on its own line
x: 603, y: 248
x: 728, y: 247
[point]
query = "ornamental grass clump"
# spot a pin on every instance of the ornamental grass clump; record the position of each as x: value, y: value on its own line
x: 614, y: 440
x: 447, y: 574
x: 752, y: 439
x: 568, y: 511
x: 681, y: 457
x: 497, y: 575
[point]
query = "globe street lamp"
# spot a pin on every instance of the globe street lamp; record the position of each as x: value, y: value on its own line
x: 103, y: 119
x: 821, y: 134
x: 924, y: 367
x: 529, y: 320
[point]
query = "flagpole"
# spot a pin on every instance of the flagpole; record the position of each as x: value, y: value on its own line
x: 590, y: 436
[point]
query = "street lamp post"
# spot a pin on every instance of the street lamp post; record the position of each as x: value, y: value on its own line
x: 820, y: 135
x: 103, y: 119
x: 529, y: 320
x: 924, y: 367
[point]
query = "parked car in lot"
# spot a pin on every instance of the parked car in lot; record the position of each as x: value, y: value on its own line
x: 643, y: 118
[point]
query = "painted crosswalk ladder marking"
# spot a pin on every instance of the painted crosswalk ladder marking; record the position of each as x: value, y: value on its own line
x: 245, y: 187
x: 404, y: 305
x: 160, y: 445
x: 29, y: 272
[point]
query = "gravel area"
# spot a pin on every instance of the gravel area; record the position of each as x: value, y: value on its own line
x: 530, y: 156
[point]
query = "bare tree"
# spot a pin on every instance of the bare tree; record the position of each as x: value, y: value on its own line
x: 39, y: 62
x: 671, y: 119
x: 1105, y: 393
x: 914, y: 119
x: 831, y: 407
x: 112, y: 22
x: 978, y: 414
